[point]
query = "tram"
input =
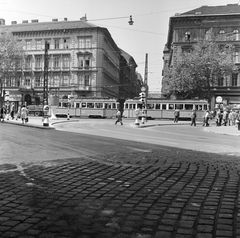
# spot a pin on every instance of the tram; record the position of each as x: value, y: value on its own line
x: 87, y: 107
x: 164, y: 109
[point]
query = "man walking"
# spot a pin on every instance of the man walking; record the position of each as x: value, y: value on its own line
x: 176, y: 115
x: 119, y: 118
x: 193, y: 117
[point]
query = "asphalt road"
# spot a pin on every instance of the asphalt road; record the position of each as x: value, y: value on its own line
x: 184, y: 136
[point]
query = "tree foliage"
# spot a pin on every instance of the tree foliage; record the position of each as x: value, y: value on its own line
x: 11, y: 57
x: 197, y: 71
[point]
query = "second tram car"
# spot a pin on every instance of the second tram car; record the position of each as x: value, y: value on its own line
x: 164, y: 109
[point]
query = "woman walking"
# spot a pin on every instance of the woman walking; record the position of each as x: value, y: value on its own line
x: 24, y: 114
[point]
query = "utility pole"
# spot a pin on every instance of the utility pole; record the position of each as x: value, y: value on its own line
x: 145, y: 86
x: 45, y: 80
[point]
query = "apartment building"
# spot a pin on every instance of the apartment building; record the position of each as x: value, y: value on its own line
x: 83, y: 60
x: 187, y: 28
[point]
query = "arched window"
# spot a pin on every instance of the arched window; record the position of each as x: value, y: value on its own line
x: 222, y: 35
x: 235, y: 34
x: 187, y: 36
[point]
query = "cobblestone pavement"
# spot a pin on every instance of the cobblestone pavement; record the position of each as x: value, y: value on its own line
x: 86, y: 198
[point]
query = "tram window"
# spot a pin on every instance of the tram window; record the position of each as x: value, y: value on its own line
x: 198, y: 107
x: 126, y: 105
x: 98, y: 105
x: 59, y: 104
x: 150, y: 106
x: 130, y: 106
x: 113, y: 105
x: 77, y: 104
x: 139, y: 106
x: 107, y: 106
x: 90, y: 105
x: 164, y: 106
x: 64, y: 104
x: 188, y: 106
x: 179, y: 106
x: 84, y: 104
x: 205, y: 107
x: 158, y: 106
x: 134, y: 106
x: 171, y: 107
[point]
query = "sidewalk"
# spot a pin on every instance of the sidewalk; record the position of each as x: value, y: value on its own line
x: 226, y: 130
x: 38, y: 123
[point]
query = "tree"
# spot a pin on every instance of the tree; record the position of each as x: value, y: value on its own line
x: 11, y: 58
x: 197, y: 71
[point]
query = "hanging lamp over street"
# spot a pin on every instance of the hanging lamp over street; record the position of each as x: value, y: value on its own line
x: 130, y: 21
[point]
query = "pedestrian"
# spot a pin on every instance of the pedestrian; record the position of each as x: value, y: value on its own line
x: 176, y: 115
x: 18, y: 116
x: 12, y: 108
x: 218, y: 117
x: 206, y: 118
x: 234, y: 114
x: 230, y: 118
x: 193, y: 117
x: 3, y: 113
x: 225, y: 117
x: 7, y: 110
x: 119, y: 118
x: 24, y: 114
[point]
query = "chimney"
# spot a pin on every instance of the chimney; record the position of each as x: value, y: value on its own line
x: 55, y: 19
x: 65, y: 19
x: 84, y: 18
x: 14, y: 22
x: 34, y: 20
x: 25, y: 21
x: 2, y: 21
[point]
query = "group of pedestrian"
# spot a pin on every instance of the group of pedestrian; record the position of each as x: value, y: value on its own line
x: 8, y: 111
x: 226, y: 117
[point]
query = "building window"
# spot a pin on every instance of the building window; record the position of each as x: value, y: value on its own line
x: 38, y: 44
x: 28, y: 62
x: 236, y: 57
x: 222, y: 35
x: 234, y: 79
x: 66, y: 61
x: 84, y: 61
x: 65, y: 81
x: 38, y: 61
x: 187, y: 36
x: 65, y: 43
x: 28, y: 45
x: 56, y: 61
x: 235, y: 35
x: 56, y: 80
x: 86, y: 80
x: 56, y: 44
x: 38, y: 81
x: 220, y: 81
x: 84, y: 42
x: 27, y: 81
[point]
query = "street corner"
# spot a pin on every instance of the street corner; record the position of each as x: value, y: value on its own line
x: 223, y: 130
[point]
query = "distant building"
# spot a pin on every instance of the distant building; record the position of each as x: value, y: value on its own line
x: 187, y: 28
x: 83, y: 60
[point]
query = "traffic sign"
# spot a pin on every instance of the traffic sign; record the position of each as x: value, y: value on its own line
x: 143, y: 89
x: 219, y: 99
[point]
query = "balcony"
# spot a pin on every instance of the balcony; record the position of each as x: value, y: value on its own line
x: 80, y: 88
x: 25, y: 88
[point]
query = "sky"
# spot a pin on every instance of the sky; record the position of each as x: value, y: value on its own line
x: 147, y: 35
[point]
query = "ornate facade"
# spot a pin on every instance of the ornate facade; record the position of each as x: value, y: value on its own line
x: 83, y: 60
x: 188, y: 28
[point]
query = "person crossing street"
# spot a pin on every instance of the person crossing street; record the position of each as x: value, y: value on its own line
x: 119, y: 117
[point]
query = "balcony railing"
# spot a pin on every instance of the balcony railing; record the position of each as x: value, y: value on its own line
x: 80, y: 88
x: 25, y: 88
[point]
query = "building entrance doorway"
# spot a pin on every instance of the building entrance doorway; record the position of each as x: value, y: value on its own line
x: 28, y: 99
